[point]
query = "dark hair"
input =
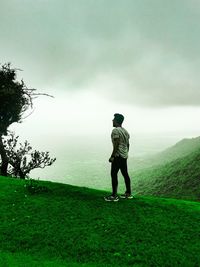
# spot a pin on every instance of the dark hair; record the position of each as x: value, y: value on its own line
x: 119, y: 118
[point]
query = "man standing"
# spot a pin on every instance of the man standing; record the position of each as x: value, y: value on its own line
x: 120, y: 139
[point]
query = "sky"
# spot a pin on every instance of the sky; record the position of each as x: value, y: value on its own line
x: 98, y: 57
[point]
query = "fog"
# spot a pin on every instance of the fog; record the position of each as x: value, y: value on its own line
x: 76, y: 129
x: 84, y: 161
x: 97, y: 58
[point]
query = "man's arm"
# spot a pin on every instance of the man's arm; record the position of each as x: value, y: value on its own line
x: 115, y: 148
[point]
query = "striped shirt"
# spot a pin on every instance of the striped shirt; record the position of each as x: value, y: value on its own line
x: 123, y: 135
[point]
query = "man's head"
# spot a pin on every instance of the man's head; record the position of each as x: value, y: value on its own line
x: 118, y: 120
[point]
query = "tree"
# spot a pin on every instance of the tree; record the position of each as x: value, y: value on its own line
x: 15, y: 100
x: 22, y: 158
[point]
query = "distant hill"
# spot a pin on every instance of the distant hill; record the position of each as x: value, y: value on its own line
x: 73, y: 226
x: 179, y: 150
x: 179, y: 178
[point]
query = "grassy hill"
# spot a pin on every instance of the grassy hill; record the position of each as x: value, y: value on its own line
x: 179, y: 178
x: 179, y: 150
x: 73, y: 226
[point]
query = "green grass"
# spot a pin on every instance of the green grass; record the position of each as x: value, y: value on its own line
x: 74, y: 226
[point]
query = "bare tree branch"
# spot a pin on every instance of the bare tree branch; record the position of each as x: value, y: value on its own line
x: 22, y: 159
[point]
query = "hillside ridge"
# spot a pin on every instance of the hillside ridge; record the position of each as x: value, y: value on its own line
x: 178, y: 179
x: 179, y: 150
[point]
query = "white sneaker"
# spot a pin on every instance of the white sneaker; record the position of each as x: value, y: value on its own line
x: 111, y: 198
x: 128, y: 196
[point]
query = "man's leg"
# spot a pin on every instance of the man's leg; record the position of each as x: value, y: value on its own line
x: 124, y: 171
x: 114, y: 171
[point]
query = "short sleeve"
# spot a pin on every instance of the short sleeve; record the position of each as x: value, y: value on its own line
x: 115, y: 134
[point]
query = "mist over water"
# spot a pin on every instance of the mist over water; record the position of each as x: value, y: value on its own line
x: 83, y: 161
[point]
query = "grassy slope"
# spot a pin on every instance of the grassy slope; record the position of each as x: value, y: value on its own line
x: 179, y: 179
x: 74, y: 226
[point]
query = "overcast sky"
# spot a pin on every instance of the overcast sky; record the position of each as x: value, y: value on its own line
x: 99, y: 57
